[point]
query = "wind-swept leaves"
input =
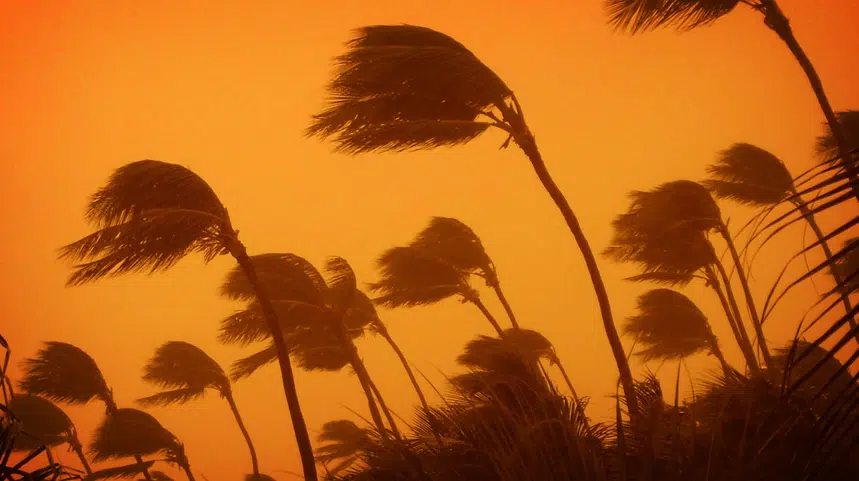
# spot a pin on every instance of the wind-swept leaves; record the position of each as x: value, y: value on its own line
x: 186, y: 371
x: 637, y: 16
x: 827, y: 148
x: 124, y: 472
x: 452, y: 241
x: 410, y: 277
x: 42, y: 421
x: 344, y: 441
x: 847, y: 265
x: 485, y: 352
x: 130, y: 432
x: 64, y: 373
x: 750, y: 175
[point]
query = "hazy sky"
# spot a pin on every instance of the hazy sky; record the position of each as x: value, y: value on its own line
x: 226, y: 88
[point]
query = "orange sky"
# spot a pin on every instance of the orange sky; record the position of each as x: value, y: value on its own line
x: 226, y: 88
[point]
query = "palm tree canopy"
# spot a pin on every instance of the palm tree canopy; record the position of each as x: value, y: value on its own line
x: 637, y: 16
x: 454, y: 242
x: 185, y: 371
x: 65, y: 373
x: 668, y: 325
x: 413, y: 277
x: 344, y: 440
x: 404, y: 87
x: 826, y: 148
x: 43, y: 422
x: 131, y: 432
x: 485, y: 352
x: 148, y: 216
x: 284, y: 277
x: 749, y: 175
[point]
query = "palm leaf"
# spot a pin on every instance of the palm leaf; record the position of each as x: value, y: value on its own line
x: 123, y: 472
x: 174, y: 396
x: 282, y: 277
x: 484, y: 352
x: 637, y: 16
x: 42, y: 420
x: 847, y: 266
x: 246, y: 366
x: 454, y: 242
x: 344, y: 440
x: 148, y: 216
x: 826, y: 148
x: 403, y: 87
x: 186, y: 370
x: 130, y: 432
x: 62, y: 372
x: 411, y: 277
x: 749, y: 175
x: 668, y: 325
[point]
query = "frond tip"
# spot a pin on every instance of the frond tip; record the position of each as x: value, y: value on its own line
x: 635, y: 16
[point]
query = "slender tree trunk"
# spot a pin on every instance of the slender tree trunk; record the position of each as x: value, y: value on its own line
x: 839, y: 280
x: 489, y: 317
x: 498, y: 292
x: 78, y: 449
x: 186, y: 467
x: 717, y: 352
x: 235, y: 409
x: 112, y: 408
x: 523, y: 137
x: 299, y: 426
x: 778, y: 22
x: 754, y: 367
x: 364, y: 379
x: 387, y: 412
x: 572, y: 390
x: 737, y: 327
x: 750, y: 301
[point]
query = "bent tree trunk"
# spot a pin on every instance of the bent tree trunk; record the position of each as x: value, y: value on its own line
x: 736, y: 323
x: 387, y: 412
x: 754, y: 367
x: 364, y: 379
x: 244, y: 430
x: 299, y: 426
x: 78, y: 449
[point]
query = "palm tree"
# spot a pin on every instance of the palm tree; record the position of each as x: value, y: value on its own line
x: 674, y: 251
x: 186, y: 372
x: 131, y: 432
x: 669, y: 325
x: 150, y: 215
x: 637, y: 16
x: 64, y: 373
x: 345, y: 442
x: 404, y: 87
x: 755, y: 177
x: 45, y: 423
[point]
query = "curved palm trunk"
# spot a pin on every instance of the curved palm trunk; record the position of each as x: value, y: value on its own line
x: 78, y: 449
x: 364, y: 379
x: 525, y: 139
x: 501, y: 297
x: 579, y: 405
x: 489, y: 317
x: 235, y: 409
x: 839, y: 280
x: 385, y: 410
x: 778, y: 22
x: 754, y: 367
x: 737, y: 328
x: 717, y: 352
x: 299, y: 426
x: 112, y: 408
x: 750, y: 301
x: 186, y: 467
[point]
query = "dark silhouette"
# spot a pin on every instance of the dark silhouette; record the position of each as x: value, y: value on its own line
x: 46, y: 424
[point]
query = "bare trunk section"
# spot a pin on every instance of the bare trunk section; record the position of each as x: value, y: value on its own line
x: 735, y: 308
x: 247, y: 436
x: 737, y: 327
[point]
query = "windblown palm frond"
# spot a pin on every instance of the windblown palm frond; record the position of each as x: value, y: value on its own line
x: 62, y: 372
x: 454, y: 242
x: 148, y: 216
x: 750, y: 175
x: 246, y: 366
x: 344, y: 442
x: 130, y: 432
x: 637, y: 16
x: 42, y: 421
x: 125, y: 472
x: 484, y: 352
x: 826, y: 147
x: 282, y: 277
x: 411, y: 277
x: 186, y: 371
x: 258, y: 477
x: 847, y: 266
x: 669, y: 325
x: 403, y: 87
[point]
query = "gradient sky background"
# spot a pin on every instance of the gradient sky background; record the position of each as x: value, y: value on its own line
x: 226, y: 88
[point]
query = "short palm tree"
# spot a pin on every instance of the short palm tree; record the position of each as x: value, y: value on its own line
x: 755, y: 177
x: 65, y: 373
x: 150, y: 215
x: 344, y: 442
x: 404, y: 87
x: 640, y: 15
x: 131, y: 432
x: 45, y: 423
x: 665, y: 232
x: 186, y: 372
x: 668, y: 325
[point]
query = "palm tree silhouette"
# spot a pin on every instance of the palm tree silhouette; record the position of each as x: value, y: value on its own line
x: 637, y: 16
x: 45, y: 423
x: 320, y: 319
x: 131, y: 432
x: 150, y: 215
x: 344, y: 441
x: 64, y: 373
x: 186, y: 372
x: 404, y: 87
x: 664, y: 231
x: 755, y: 177
x: 669, y: 325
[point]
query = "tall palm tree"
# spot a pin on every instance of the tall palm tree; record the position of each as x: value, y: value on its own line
x: 640, y: 15
x: 755, y: 177
x: 150, y: 215
x: 131, y: 432
x: 47, y: 424
x: 404, y: 87
x: 674, y: 251
x: 669, y: 325
x: 186, y: 372
x: 65, y: 373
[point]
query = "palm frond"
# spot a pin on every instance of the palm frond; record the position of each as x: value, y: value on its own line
x: 130, y: 432
x: 454, y: 242
x: 123, y: 472
x: 484, y: 352
x: 246, y: 366
x: 319, y: 348
x: 411, y: 277
x: 826, y: 148
x: 668, y: 325
x: 282, y: 277
x: 343, y: 440
x: 749, y: 175
x: 342, y: 283
x: 847, y: 266
x: 62, y: 372
x: 148, y: 216
x: 42, y: 420
x: 403, y: 87
x: 183, y: 366
x: 635, y: 16
x: 173, y: 396
x: 246, y: 326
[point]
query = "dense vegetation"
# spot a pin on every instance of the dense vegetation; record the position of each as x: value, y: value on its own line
x: 788, y: 412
